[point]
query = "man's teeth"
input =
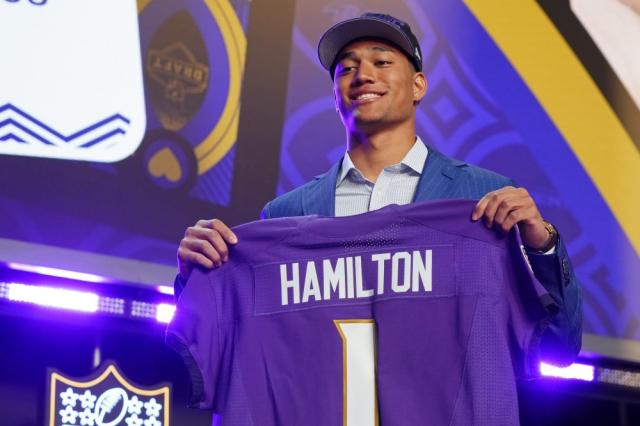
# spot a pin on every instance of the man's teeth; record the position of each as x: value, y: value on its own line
x: 366, y: 96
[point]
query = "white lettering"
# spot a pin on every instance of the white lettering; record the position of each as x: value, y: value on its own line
x: 350, y: 277
x: 421, y: 271
x: 345, y: 278
x: 396, y: 286
x: 380, y: 259
x: 333, y: 279
x: 311, y: 285
x: 293, y: 283
x: 360, y: 291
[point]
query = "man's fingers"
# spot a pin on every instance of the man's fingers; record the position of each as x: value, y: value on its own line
x: 511, y: 219
x: 494, y: 200
x: 224, y: 230
x: 215, y: 239
x: 480, y: 208
x: 188, y: 256
x: 203, y: 223
x: 212, y: 237
x: 522, y: 216
x: 200, y: 259
x: 203, y: 247
x: 218, y: 226
x: 506, y: 207
x: 204, y: 244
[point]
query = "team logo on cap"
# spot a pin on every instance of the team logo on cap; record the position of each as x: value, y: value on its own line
x: 106, y: 398
x: 70, y: 97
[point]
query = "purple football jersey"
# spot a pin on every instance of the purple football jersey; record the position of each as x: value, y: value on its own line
x: 408, y: 315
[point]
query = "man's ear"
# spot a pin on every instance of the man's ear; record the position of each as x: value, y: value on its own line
x: 419, y: 87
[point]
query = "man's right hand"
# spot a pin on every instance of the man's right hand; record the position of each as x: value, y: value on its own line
x: 204, y: 244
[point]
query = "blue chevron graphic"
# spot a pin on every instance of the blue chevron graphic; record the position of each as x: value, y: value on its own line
x: 39, y: 130
x: 11, y: 136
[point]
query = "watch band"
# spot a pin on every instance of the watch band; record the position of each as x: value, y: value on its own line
x: 553, y: 238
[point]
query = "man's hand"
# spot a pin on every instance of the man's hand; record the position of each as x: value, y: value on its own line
x: 505, y: 207
x: 204, y: 244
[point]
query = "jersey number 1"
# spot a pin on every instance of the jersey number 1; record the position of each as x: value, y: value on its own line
x: 359, y: 400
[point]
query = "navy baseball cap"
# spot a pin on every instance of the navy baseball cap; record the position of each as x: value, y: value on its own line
x: 368, y: 25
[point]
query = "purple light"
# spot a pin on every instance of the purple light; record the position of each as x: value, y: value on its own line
x: 82, y: 301
x: 165, y: 289
x: 111, y: 305
x: 53, y: 297
x: 574, y: 371
x: 55, y: 272
x: 164, y: 312
x: 142, y: 309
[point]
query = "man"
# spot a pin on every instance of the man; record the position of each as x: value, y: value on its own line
x: 375, y: 63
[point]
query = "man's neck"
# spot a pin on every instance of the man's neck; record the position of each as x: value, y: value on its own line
x: 373, y: 152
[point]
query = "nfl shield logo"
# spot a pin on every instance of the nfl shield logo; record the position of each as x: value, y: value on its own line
x: 71, y: 84
x: 106, y: 398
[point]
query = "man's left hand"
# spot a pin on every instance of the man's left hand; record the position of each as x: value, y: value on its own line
x: 508, y: 206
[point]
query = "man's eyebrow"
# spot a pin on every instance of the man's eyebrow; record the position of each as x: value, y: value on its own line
x: 382, y: 49
x: 345, y: 55
x: 350, y: 54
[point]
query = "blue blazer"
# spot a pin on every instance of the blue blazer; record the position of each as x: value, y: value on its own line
x: 446, y: 178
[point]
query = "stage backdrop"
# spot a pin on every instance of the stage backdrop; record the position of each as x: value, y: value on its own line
x: 545, y: 92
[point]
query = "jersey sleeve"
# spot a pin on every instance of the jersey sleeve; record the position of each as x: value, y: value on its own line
x: 193, y: 333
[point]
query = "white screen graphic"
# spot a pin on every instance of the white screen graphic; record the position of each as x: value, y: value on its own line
x: 71, y: 82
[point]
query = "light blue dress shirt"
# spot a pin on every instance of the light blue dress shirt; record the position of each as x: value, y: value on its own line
x: 396, y: 184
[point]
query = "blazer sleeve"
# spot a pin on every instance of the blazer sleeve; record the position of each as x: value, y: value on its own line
x: 562, y: 337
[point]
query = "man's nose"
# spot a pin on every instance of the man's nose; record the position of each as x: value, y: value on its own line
x: 365, y: 74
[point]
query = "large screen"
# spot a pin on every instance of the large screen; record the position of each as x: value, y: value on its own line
x: 118, y: 125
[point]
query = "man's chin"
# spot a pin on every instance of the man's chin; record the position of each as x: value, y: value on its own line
x: 363, y: 122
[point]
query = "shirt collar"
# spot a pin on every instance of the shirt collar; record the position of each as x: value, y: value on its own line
x: 414, y: 159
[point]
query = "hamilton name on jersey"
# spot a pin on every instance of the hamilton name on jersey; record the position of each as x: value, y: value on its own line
x: 356, y: 277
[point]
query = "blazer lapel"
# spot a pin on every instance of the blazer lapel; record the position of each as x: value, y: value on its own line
x: 438, y: 177
x: 320, y: 198
x: 437, y: 182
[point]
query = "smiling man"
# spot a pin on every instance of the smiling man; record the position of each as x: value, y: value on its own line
x: 375, y: 63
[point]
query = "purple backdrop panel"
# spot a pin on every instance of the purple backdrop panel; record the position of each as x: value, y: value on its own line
x: 477, y: 109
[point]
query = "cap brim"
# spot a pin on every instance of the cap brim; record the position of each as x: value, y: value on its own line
x: 338, y: 36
